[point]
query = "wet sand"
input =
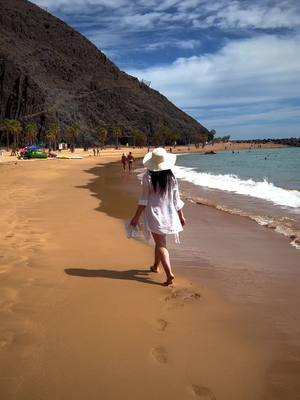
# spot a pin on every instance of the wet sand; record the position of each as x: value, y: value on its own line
x: 257, y: 269
x: 82, y: 317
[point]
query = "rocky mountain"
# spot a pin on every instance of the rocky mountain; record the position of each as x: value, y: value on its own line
x: 52, y: 74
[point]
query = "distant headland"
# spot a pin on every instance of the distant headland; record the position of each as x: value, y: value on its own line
x: 295, y: 142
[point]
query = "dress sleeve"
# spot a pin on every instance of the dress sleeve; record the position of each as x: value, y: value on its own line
x: 143, y: 200
x: 178, y: 203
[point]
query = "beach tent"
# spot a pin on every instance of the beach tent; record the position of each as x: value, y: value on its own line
x: 33, y: 148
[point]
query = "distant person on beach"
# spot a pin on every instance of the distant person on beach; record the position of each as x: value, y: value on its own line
x: 124, y: 161
x: 130, y: 160
x: 162, y: 207
x: 98, y: 151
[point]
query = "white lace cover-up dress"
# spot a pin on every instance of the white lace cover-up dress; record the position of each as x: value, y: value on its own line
x: 160, y: 213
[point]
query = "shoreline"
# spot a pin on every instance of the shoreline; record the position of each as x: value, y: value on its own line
x: 80, y: 307
x: 272, y: 222
x: 116, y: 153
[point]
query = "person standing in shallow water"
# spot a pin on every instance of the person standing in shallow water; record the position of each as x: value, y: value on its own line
x: 130, y: 160
x: 161, y: 206
x: 124, y: 161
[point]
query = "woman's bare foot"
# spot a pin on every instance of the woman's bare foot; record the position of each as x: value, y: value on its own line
x: 169, y: 281
x: 153, y: 269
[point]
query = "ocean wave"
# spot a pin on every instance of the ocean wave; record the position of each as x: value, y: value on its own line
x: 232, y: 183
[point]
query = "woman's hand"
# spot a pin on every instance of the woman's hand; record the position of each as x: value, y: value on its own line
x: 134, y: 221
x: 137, y: 215
x: 181, y: 217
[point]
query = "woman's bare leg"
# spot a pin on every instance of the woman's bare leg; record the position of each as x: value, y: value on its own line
x: 162, y: 255
x: 155, y: 267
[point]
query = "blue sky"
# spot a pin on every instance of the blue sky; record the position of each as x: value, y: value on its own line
x: 232, y: 65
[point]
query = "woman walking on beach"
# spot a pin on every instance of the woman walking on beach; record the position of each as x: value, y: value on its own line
x: 162, y: 207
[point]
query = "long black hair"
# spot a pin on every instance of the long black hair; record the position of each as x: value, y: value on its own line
x: 161, y: 180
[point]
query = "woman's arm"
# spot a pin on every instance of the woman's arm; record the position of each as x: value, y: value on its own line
x: 181, y: 217
x: 178, y: 203
x: 143, y: 201
x: 137, y: 215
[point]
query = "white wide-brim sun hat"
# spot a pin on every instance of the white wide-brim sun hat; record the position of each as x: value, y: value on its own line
x: 159, y: 160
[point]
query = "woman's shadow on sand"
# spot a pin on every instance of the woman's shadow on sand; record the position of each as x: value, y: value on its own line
x: 139, y: 275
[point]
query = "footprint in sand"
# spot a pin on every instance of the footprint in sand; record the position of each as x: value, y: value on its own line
x: 23, y: 339
x: 162, y: 324
x: 9, y: 297
x: 10, y: 338
x: 184, y: 294
x: 6, y: 338
x: 20, y: 262
x: 159, y: 354
x: 180, y: 297
x: 202, y: 392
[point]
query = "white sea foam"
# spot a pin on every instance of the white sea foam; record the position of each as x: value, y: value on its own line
x: 232, y: 183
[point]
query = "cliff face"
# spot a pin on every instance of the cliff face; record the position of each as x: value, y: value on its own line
x: 51, y: 73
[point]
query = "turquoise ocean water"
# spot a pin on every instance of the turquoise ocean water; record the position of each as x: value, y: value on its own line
x: 262, y: 184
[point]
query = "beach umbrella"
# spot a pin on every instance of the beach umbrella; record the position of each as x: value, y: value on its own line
x: 33, y: 148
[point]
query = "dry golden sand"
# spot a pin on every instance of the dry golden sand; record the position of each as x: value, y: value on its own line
x: 82, y: 318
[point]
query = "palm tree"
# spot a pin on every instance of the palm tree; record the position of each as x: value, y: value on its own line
x: 16, y: 130
x: 117, y: 134
x: 102, y: 134
x: 173, y: 137
x: 12, y: 127
x: 200, y: 137
x: 6, y: 127
x: 161, y: 136
x: 211, y: 135
x: 31, y: 131
x: 139, y: 138
x: 73, y: 133
x: 53, y: 136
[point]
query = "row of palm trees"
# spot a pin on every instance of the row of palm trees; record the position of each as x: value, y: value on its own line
x: 17, y: 135
x: 25, y: 135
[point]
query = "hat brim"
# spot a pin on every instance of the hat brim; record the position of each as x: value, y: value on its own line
x: 168, y: 163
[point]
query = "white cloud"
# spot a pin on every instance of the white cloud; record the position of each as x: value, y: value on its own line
x: 105, y: 40
x: 166, y: 4
x: 234, y: 15
x: 249, y: 116
x: 73, y: 5
x: 258, y: 69
x: 143, y: 21
x: 258, y: 120
x: 180, y: 44
x: 224, y: 14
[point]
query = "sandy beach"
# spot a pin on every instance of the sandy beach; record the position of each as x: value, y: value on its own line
x: 82, y: 316
x: 110, y: 154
